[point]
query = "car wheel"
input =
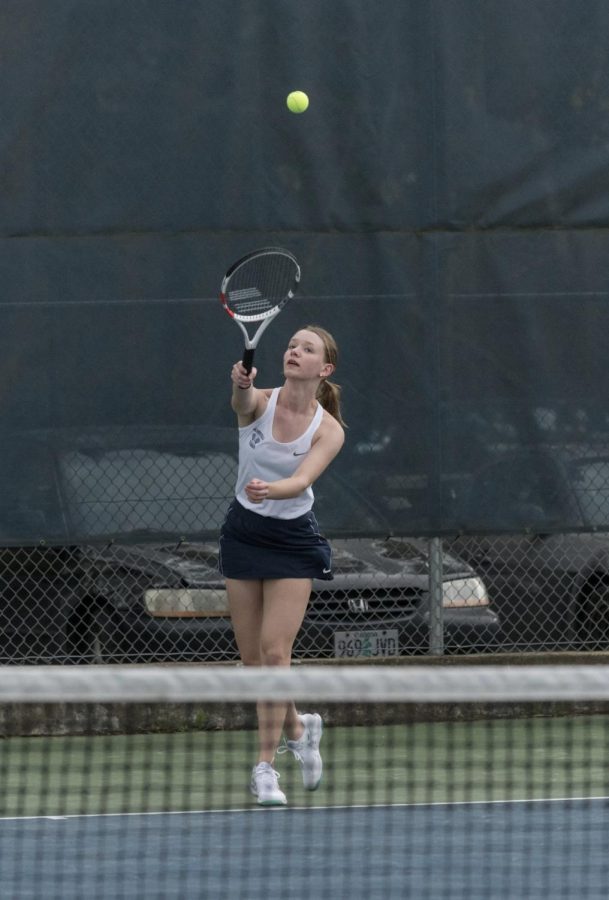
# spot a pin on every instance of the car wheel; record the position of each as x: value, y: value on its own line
x: 593, y: 615
x: 80, y: 643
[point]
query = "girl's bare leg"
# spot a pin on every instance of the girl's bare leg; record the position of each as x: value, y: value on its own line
x: 285, y: 605
x: 266, y: 618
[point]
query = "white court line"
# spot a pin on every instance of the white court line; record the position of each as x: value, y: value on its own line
x: 311, y: 809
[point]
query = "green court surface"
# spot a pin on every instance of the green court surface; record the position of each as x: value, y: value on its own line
x: 505, y: 759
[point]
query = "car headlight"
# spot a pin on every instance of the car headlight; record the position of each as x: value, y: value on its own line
x: 186, y: 602
x: 464, y: 592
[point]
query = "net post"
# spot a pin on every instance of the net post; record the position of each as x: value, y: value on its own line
x: 436, y: 610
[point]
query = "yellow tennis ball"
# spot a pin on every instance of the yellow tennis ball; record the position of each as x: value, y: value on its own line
x: 297, y: 101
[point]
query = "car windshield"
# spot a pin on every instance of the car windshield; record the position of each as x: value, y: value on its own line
x: 340, y: 507
x: 148, y: 492
x: 590, y: 479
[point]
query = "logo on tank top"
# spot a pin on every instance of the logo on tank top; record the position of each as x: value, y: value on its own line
x: 256, y: 438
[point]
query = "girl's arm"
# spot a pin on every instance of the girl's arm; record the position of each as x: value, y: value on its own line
x: 246, y: 400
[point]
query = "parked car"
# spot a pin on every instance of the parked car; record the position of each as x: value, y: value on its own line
x: 532, y: 521
x: 142, y: 583
x: 550, y: 589
x: 167, y: 602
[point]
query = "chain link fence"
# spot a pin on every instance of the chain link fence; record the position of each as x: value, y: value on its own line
x: 142, y: 584
x: 166, y: 602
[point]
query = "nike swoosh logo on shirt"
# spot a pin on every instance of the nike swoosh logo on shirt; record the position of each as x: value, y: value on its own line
x: 304, y: 453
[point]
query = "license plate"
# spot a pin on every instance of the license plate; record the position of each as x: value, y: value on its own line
x: 350, y: 644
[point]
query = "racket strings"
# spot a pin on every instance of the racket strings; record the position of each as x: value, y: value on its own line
x: 242, y: 304
x: 261, y: 284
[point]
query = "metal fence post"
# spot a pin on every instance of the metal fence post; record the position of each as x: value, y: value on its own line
x: 436, y: 610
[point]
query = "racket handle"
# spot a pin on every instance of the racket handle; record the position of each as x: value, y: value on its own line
x: 248, y: 360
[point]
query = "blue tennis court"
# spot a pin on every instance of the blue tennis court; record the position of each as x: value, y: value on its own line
x: 513, y: 850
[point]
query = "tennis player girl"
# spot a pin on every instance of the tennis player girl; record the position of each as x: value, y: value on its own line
x: 270, y: 545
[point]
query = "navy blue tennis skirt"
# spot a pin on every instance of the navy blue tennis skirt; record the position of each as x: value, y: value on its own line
x: 254, y: 546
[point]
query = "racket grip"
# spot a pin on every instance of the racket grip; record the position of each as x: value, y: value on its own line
x: 248, y: 360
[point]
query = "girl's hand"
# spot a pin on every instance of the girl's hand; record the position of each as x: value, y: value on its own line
x: 240, y: 377
x: 257, y: 490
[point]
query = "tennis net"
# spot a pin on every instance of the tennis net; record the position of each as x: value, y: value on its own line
x: 439, y: 781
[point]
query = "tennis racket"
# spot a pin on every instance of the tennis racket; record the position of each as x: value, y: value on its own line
x: 255, y: 289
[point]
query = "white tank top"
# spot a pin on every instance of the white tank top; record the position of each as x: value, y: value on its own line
x: 261, y: 456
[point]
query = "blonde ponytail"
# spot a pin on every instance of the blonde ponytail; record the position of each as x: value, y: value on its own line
x: 328, y: 393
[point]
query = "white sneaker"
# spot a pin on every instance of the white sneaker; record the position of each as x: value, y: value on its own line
x: 306, y: 750
x: 264, y: 785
